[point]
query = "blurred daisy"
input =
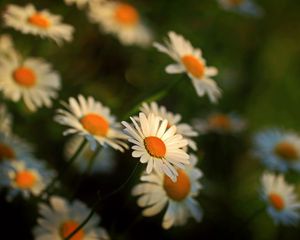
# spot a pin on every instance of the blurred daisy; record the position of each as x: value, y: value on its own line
x: 104, y: 162
x: 7, y: 49
x: 79, y: 3
x: 5, y: 121
x: 157, y: 191
x: 24, y: 177
x: 248, y: 7
x: 280, y: 197
x: 220, y: 123
x: 189, y: 59
x: 12, y: 148
x: 89, y: 118
x: 278, y: 149
x: 58, y: 220
x: 173, y: 119
x: 29, y: 20
x: 157, y: 145
x: 120, y: 19
x: 31, y: 80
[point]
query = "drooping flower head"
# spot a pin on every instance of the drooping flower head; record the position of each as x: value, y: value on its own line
x: 5, y: 120
x: 89, y: 118
x: 60, y: 218
x: 189, y: 59
x: 157, y: 145
x: 7, y: 49
x: 282, y: 204
x: 157, y: 190
x: 120, y: 19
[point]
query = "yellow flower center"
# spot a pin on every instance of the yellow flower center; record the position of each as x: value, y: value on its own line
x: 220, y: 121
x: 25, y: 179
x: 286, y: 151
x: 193, y: 65
x: 68, y: 227
x: 277, y: 201
x: 177, y: 190
x: 24, y: 76
x: 95, y: 124
x: 155, y: 147
x: 6, y: 152
x: 39, y: 20
x: 126, y: 14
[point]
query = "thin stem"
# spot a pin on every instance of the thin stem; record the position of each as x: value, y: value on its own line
x: 62, y: 171
x: 92, y: 159
x: 93, y: 210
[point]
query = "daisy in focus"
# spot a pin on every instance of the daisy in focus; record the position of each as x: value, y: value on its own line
x: 89, y: 118
x: 12, y: 148
x: 278, y: 149
x: 29, y: 20
x: 79, y: 3
x: 120, y: 19
x: 173, y: 119
x: 28, y: 177
x: 5, y: 121
x: 248, y: 7
x: 103, y: 162
x: 282, y: 204
x: 157, y: 191
x: 220, y: 123
x: 189, y: 59
x: 60, y: 218
x: 31, y: 80
x: 157, y: 145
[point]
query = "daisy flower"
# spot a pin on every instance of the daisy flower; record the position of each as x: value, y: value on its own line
x: 29, y: 20
x: 278, y: 149
x: 173, y: 119
x: 5, y: 121
x: 120, y: 19
x: 60, y: 218
x: 247, y: 7
x: 157, y: 191
x: 89, y: 118
x: 220, y: 123
x: 104, y: 162
x: 189, y: 59
x: 7, y: 47
x: 12, y: 148
x: 31, y: 80
x: 28, y: 177
x: 79, y: 3
x: 157, y: 145
x: 281, y: 200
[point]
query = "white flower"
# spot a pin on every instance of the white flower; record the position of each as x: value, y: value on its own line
x: 103, y: 162
x: 28, y: 20
x: 278, y: 149
x: 173, y: 119
x: 58, y: 220
x: 31, y: 80
x: 89, y: 118
x: 79, y: 3
x: 248, y: 7
x: 25, y: 177
x: 220, y: 123
x: 5, y: 121
x: 120, y: 19
x: 157, y: 191
x: 7, y: 49
x: 157, y: 145
x: 281, y: 199
x: 189, y: 59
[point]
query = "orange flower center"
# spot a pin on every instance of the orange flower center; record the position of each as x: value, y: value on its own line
x: 25, y: 179
x: 193, y: 65
x: 24, y: 76
x: 95, y: 124
x: 155, y: 147
x: 286, y: 151
x: 126, y: 14
x: 180, y: 189
x: 220, y: 121
x: 6, y: 152
x: 68, y: 227
x: 276, y: 200
x: 39, y: 20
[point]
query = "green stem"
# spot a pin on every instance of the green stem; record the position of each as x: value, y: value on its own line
x: 92, y: 160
